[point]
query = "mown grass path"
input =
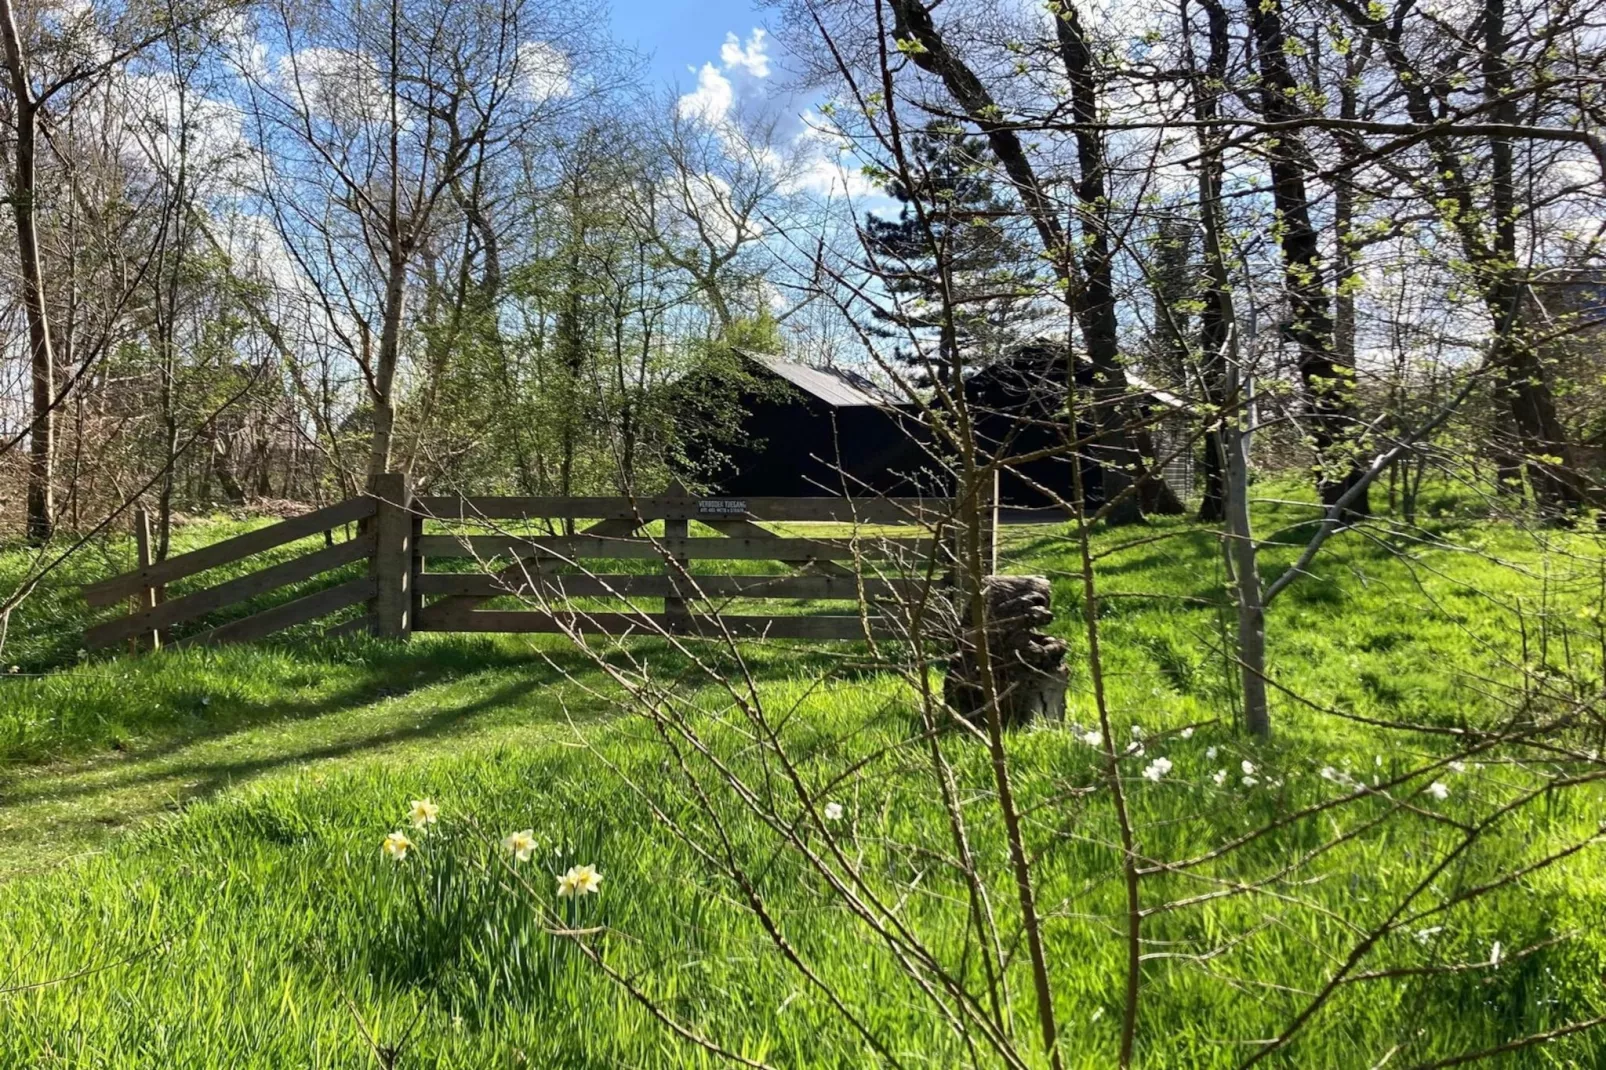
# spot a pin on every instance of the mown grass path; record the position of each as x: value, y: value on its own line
x: 339, y: 704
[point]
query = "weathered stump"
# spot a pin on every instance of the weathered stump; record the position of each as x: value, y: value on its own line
x: 1028, y: 667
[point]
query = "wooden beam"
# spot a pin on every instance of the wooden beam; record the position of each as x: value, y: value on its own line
x: 392, y: 563
x: 434, y: 619
x: 677, y: 617
x: 576, y: 547
x: 146, y: 597
x: 685, y: 507
x: 479, y: 586
x: 278, y: 618
x: 518, y: 570
x: 213, y: 599
x: 105, y: 592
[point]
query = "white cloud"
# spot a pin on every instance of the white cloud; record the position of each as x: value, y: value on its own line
x: 824, y: 164
x: 544, y: 73
x: 715, y: 95
x: 333, y: 83
x: 211, y: 130
x: 753, y: 58
x: 711, y: 100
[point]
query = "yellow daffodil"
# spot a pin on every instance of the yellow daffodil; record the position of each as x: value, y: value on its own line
x: 580, y: 880
x: 422, y: 812
x: 521, y: 844
x: 397, y: 845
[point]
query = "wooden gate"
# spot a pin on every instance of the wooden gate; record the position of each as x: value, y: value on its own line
x: 695, y: 555
x: 153, y: 613
x: 668, y: 564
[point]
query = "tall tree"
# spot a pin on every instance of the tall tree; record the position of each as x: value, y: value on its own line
x: 961, y: 240
x: 26, y: 102
x: 1330, y: 397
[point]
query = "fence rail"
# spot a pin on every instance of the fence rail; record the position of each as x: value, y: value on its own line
x: 549, y: 571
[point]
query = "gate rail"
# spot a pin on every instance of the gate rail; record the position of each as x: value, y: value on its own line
x: 557, y: 565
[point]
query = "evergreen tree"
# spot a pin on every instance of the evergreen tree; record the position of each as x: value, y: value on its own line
x: 966, y: 235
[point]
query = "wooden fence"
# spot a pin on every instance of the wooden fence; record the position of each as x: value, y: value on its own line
x: 887, y: 563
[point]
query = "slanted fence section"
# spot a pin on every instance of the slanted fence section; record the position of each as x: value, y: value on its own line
x: 670, y: 564
x: 153, y: 613
x: 674, y: 564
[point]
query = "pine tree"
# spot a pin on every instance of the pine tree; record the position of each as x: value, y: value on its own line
x: 966, y: 234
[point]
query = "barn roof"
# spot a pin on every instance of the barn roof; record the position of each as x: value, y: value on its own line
x: 837, y: 387
x: 841, y: 388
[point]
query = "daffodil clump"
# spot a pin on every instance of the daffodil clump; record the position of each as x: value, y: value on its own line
x: 580, y: 880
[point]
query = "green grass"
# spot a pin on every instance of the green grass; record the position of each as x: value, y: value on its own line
x: 192, y: 873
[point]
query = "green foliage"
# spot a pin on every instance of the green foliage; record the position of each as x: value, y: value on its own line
x: 256, y: 926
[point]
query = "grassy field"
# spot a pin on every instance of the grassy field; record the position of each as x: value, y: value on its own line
x: 192, y: 874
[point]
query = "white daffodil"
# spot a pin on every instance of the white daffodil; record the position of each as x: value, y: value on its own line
x: 1187, y: 733
x: 1137, y: 731
x: 1494, y: 954
x: 1211, y: 752
x: 1247, y: 766
x: 422, y: 812
x: 1248, y: 781
x: 1157, y: 769
x: 833, y: 811
x: 396, y: 846
x: 1439, y: 790
x: 1424, y: 935
x: 578, y: 881
x: 521, y: 844
x: 1220, y: 778
x: 1458, y: 767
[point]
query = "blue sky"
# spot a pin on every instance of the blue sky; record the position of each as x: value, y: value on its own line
x: 679, y: 34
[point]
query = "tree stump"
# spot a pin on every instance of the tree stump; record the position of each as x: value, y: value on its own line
x: 1028, y: 667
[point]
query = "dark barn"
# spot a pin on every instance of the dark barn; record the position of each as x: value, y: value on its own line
x: 812, y: 431
x: 1018, y: 406
x: 818, y: 431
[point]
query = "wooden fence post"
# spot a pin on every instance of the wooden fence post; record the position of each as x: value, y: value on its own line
x: 145, y: 597
x: 677, y: 617
x: 391, y: 567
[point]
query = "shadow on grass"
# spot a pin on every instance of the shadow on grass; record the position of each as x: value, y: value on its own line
x: 387, y: 670
x: 207, y: 777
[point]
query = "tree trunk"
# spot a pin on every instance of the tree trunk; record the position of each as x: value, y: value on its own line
x: 1028, y: 667
x: 384, y: 380
x: 1092, y: 300
x: 42, y: 364
x: 1522, y: 382
x: 1215, y: 319
x: 1114, y: 444
x: 1329, y: 384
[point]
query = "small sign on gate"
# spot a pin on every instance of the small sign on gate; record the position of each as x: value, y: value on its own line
x: 722, y: 507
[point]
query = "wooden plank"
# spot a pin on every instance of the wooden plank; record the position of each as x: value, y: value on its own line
x: 727, y: 526
x: 479, y: 586
x: 146, y: 597
x: 392, y: 563
x: 435, y: 619
x: 215, y: 598
x: 516, y: 572
x: 105, y: 592
x: 357, y: 625
x: 677, y: 617
x: 670, y: 507
x: 576, y: 547
x: 291, y: 613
